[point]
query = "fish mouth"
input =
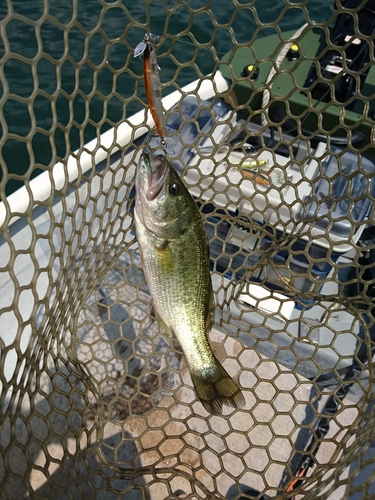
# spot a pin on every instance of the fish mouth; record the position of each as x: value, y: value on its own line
x: 157, y: 173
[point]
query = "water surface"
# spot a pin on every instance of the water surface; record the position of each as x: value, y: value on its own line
x: 69, y: 74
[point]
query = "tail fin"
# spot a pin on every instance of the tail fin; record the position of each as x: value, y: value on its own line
x: 215, y: 387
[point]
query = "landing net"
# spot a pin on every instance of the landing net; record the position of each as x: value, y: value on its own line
x: 94, y: 402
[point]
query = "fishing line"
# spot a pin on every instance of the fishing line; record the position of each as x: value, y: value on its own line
x: 202, y: 48
x: 177, y: 40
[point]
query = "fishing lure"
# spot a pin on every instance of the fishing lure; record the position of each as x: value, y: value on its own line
x: 253, y: 170
x: 152, y: 81
x: 257, y: 177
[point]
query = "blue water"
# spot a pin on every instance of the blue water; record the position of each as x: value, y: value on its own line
x: 87, y: 65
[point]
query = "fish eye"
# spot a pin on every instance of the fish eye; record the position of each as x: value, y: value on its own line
x: 174, y: 189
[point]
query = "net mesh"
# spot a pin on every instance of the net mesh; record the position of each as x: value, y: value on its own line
x: 95, y: 402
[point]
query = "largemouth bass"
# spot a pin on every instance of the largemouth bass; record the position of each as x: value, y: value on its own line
x: 175, y: 256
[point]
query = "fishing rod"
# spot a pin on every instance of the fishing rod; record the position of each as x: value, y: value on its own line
x: 333, y: 403
x: 331, y: 408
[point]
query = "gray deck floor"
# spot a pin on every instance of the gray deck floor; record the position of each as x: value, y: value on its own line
x: 131, y: 364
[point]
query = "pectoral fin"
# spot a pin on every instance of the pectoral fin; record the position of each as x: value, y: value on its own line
x: 164, y: 256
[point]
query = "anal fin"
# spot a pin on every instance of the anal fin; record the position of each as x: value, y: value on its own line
x: 164, y: 329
